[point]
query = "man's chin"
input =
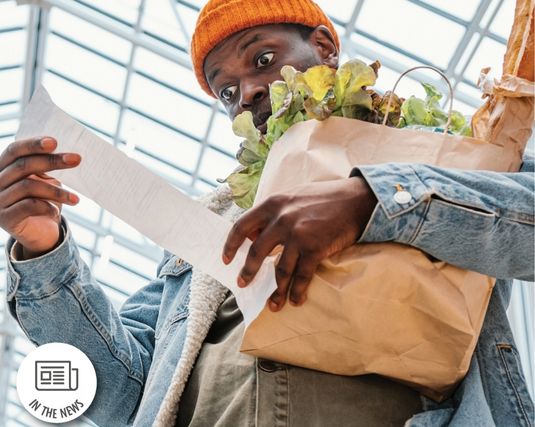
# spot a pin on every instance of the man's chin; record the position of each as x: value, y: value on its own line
x: 262, y: 128
x: 262, y: 118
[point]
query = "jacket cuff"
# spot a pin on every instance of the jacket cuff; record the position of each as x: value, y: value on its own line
x: 41, y: 276
x: 402, y: 202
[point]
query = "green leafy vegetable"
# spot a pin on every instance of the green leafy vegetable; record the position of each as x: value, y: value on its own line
x: 419, y: 112
x: 321, y: 92
x: 244, y: 182
x: 352, y: 99
x: 253, y: 147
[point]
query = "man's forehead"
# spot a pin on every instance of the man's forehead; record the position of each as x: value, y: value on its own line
x: 237, y: 43
x: 241, y: 38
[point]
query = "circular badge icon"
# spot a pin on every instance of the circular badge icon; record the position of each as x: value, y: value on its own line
x: 56, y: 382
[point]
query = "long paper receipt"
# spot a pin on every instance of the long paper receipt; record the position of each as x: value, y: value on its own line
x: 147, y: 202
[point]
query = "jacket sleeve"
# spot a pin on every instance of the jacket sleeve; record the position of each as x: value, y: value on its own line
x: 478, y: 220
x: 54, y: 298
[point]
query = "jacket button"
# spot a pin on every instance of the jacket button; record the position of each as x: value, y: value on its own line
x: 179, y: 262
x: 268, y: 365
x: 402, y: 196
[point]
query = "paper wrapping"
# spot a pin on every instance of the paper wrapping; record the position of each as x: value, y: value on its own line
x: 387, y: 308
x: 508, y: 113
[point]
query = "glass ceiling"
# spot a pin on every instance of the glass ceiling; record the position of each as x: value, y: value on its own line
x: 122, y: 68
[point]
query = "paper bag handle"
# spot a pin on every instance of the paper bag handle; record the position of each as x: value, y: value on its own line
x: 409, y: 71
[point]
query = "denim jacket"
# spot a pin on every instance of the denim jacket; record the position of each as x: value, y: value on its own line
x: 483, y: 221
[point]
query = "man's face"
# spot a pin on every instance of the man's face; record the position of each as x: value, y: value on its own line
x: 240, y: 69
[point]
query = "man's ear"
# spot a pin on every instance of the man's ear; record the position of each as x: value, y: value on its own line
x: 323, y: 41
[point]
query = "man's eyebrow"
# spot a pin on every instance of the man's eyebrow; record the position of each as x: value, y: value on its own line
x: 241, y: 49
x: 213, y: 74
x: 254, y: 39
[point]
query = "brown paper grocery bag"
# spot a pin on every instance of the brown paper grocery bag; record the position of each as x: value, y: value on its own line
x: 387, y: 308
x: 380, y: 308
x: 377, y: 308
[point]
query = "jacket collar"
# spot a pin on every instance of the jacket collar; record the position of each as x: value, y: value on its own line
x: 206, y: 296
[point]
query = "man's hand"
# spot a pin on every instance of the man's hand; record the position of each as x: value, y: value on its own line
x: 30, y: 200
x: 312, y: 222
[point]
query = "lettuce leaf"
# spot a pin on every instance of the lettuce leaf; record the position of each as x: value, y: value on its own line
x: 253, y: 147
x: 351, y: 81
x: 428, y: 112
x: 319, y: 93
x: 243, y: 183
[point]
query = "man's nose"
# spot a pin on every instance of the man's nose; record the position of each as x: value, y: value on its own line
x: 251, y: 94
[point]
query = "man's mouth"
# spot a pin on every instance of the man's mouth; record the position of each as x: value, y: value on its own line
x: 260, y: 121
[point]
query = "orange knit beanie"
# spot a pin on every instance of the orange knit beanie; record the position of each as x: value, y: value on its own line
x: 220, y: 19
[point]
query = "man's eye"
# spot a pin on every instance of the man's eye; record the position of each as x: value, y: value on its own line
x: 264, y: 59
x: 228, y: 92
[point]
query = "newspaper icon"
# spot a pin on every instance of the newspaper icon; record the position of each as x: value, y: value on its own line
x: 55, y: 375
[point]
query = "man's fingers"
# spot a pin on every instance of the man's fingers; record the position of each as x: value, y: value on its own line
x: 26, y: 147
x: 283, y: 273
x: 306, y: 267
x: 32, y: 188
x: 36, y: 164
x: 248, y: 225
x: 259, y: 250
x: 26, y: 208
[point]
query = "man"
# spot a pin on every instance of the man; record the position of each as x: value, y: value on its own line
x: 170, y: 355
